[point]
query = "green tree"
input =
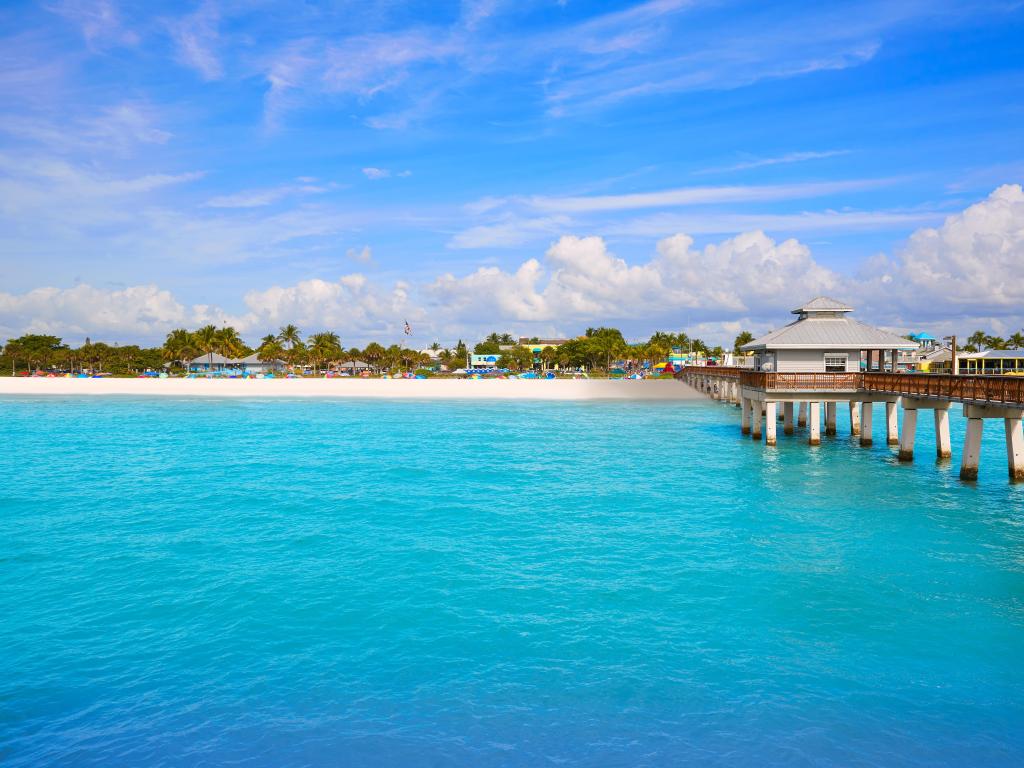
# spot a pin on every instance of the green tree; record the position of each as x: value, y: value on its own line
x: 230, y: 344
x: 995, y: 342
x: 207, y: 341
x: 548, y: 357
x: 487, y: 347
x: 1016, y: 341
x: 374, y: 354
x: 744, y: 337
x: 37, y: 350
x: 977, y: 340
x: 270, y: 350
x: 323, y: 347
x: 179, y: 347
x: 516, y: 359
x: 291, y: 339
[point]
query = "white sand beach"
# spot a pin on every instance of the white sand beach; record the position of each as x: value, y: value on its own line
x: 429, y: 389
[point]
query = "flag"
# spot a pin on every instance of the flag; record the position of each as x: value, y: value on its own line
x: 408, y: 328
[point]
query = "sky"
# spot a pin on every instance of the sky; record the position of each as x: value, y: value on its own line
x: 533, y: 167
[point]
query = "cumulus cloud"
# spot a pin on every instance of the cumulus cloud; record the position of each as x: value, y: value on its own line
x: 581, y: 280
x: 962, y: 275
x: 137, y: 311
x: 349, y: 305
x: 971, y: 265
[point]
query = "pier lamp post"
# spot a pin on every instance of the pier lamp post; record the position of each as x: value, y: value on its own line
x: 954, y: 368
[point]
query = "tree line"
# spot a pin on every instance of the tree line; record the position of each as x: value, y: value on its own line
x: 597, y: 348
x: 979, y: 341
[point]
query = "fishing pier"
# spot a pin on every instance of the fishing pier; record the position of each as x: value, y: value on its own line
x: 824, y: 338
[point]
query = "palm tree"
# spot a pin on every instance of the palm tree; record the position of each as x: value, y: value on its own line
x: 548, y: 356
x: 323, y: 347
x: 207, y: 341
x: 291, y: 340
x: 506, y: 338
x: 977, y: 340
x: 230, y: 344
x: 270, y: 349
x: 179, y: 347
x: 1016, y: 341
x: 995, y: 342
x: 374, y: 354
x: 744, y: 337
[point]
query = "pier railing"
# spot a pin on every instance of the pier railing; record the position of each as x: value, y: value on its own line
x: 981, y: 389
x: 1008, y: 390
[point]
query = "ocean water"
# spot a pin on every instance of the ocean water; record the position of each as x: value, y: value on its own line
x: 291, y: 583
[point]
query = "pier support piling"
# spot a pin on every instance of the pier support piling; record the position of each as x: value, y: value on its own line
x: 907, y: 434
x: 1014, y: 449
x: 755, y: 420
x: 770, y: 423
x: 787, y: 418
x: 745, y: 415
x: 891, y: 430
x: 801, y: 419
x: 865, y: 423
x: 972, y: 450
x: 830, y: 418
x: 943, y: 449
x: 814, y: 422
x: 854, y: 418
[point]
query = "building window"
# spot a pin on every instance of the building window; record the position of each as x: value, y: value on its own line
x: 835, y: 363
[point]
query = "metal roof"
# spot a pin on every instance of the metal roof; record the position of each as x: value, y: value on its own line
x: 992, y: 354
x: 216, y: 358
x: 254, y: 359
x: 823, y: 304
x: 829, y: 333
x: 219, y: 359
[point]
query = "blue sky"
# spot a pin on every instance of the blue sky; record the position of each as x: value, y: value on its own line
x: 532, y: 166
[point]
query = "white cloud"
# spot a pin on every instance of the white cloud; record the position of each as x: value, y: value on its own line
x: 196, y: 37
x: 684, y: 196
x: 961, y: 275
x: 351, y: 306
x: 257, y: 198
x: 789, y: 157
x: 510, y: 231
x: 363, y: 255
x: 972, y: 265
x: 134, y: 312
x: 580, y: 280
x: 845, y: 221
x: 117, y: 129
x: 376, y: 173
x: 369, y: 64
x: 99, y: 21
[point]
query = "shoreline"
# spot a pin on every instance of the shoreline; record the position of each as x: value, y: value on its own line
x: 396, y: 389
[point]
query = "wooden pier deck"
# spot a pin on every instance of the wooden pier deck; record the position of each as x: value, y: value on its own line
x: 760, y: 393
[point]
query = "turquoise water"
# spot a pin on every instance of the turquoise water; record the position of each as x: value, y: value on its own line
x: 285, y: 583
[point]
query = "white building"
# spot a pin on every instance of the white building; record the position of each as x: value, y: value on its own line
x: 824, y: 340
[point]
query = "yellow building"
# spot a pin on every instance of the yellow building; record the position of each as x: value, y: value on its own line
x: 992, y: 362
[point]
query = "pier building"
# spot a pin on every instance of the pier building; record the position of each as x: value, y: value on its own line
x: 823, y: 360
